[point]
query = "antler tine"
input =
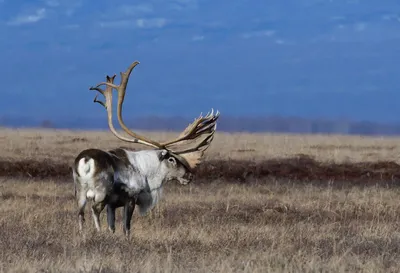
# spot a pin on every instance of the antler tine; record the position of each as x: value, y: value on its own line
x: 104, y: 83
x: 191, y: 157
x: 205, y: 128
x: 205, y: 143
x: 108, y: 83
x: 200, y: 126
x: 110, y: 80
x: 101, y: 91
x: 99, y: 101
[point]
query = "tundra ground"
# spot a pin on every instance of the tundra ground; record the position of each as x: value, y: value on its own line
x: 206, y: 227
x: 62, y: 145
x: 342, y: 215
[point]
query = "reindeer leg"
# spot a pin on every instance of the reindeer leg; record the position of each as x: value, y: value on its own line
x: 81, y: 208
x: 111, y: 217
x: 128, y: 212
x: 96, y: 210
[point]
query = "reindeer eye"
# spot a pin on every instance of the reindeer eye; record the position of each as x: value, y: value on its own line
x: 171, y: 159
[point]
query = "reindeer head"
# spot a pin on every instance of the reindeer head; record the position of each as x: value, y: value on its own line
x: 179, y: 156
x: 173, y: 169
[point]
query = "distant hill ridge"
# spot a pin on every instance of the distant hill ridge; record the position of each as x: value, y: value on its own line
x: 226, y: 124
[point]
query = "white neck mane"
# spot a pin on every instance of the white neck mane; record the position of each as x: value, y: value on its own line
x: 151, y: 173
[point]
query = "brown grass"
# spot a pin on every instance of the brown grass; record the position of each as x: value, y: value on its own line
x: 255, y: 206
x: 42, y: 144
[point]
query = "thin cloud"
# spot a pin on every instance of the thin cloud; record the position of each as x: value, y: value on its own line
x: 71, y: 26
x: 135, y: 9
x: 71, y: 6
x: 117, y: 24
x: 261, y: 33
x: 65, y: 7
x: 184, y: 5
x: 39, y: 14
x: 139, y: 23
x: 360, y: 26
x: 197, y: 38
x: 151, y: 23
x: 338, y: 18
x: 52, y: 3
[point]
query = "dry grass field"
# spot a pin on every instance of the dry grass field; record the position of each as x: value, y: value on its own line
x: 40, y: 144
x: 259, y: 203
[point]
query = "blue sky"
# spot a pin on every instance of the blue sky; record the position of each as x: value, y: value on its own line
x: 308, y: 58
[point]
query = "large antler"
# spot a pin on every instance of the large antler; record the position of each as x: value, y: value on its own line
x: 202, y: 126
x: 121, y: 89
x: 107, y: 93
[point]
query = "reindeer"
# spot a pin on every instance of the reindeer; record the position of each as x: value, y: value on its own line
x: 125, y: 178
